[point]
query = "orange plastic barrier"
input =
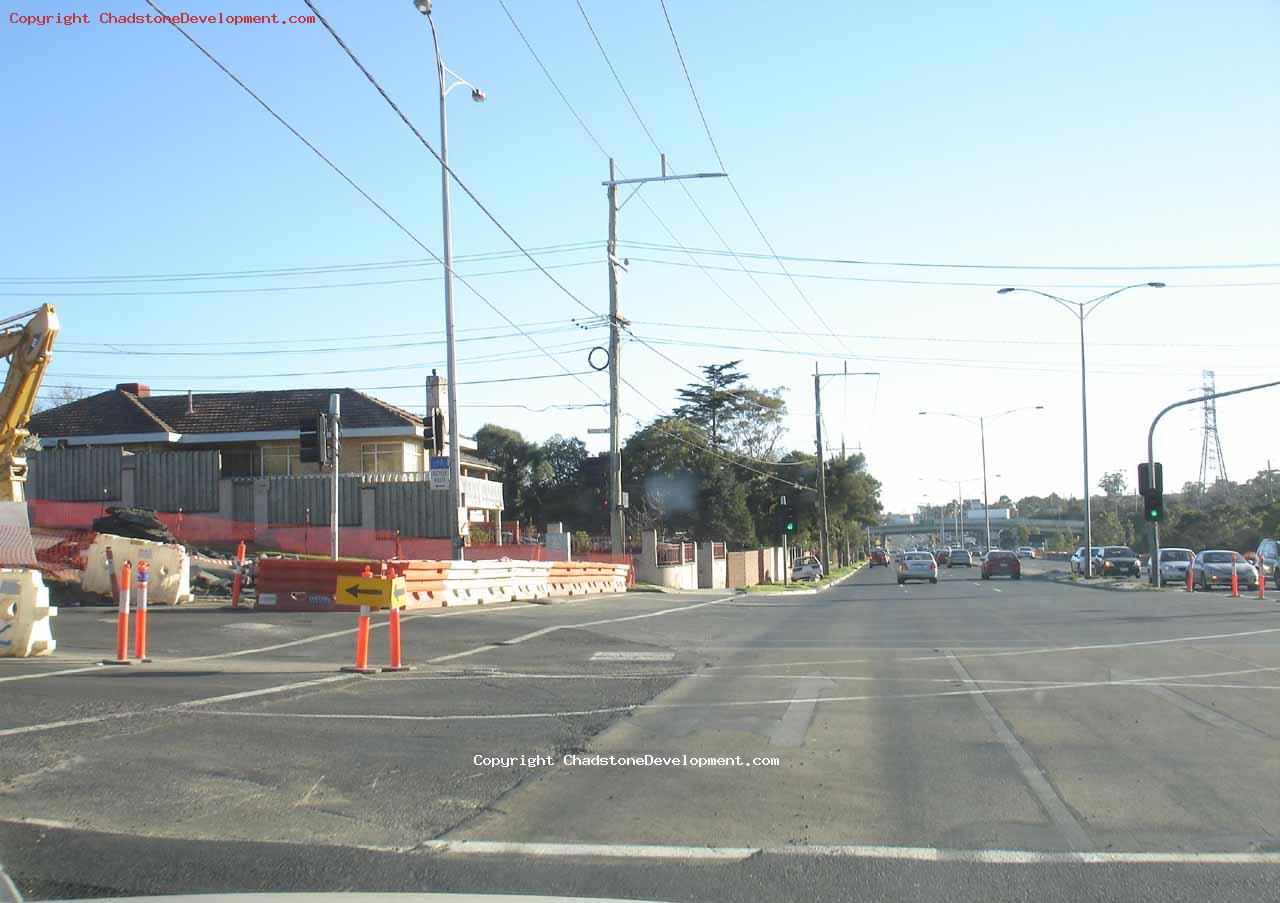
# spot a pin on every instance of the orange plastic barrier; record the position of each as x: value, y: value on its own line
x: 308, y: 584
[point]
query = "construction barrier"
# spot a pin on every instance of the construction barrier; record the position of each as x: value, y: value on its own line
x: 289, y: 584
x: 170, y: 567
x: 122, y: 620
x: 24, y: 614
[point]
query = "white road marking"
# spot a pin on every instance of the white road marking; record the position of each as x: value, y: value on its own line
x: 1202, y: 712
x: 994, y: 590
x: 794, y: 724
x: 846, y: 851
x: 1047, y: 649
x: 632, y: 656
x: 1050, y: 801
x: 181, y: 706
x: 463, y: 654
x: 37, y: 674
x: 652, y: 614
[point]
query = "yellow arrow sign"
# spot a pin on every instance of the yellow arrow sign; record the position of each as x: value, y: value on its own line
x: 376, y: 592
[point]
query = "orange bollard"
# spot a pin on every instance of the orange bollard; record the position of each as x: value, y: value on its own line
x: 140, y: 619
x: 362, y: 644
x: 1191, y: 580
x: 122, y: 621
x: 1262, y: 583
x: 1235, y: 578
x: 393, y: 631
x: 236, y: 579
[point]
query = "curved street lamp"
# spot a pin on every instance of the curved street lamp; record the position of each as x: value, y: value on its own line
x: 1082, y: 309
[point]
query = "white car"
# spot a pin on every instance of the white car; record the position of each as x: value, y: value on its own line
x: 1077, y: 559
x: 806, y: 568
x: 1026, y: 552
x: 959, y: 558
x: 918, y: 566
x: 1174, y: 564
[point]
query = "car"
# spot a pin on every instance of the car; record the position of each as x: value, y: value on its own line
x: 1174, y: 564
x: 1000, y: 562
x: 879, y: 557
x: 1117, y: 561
x: 941, y: 556
x: 1212, y: 568
x: 1268, y: 557
x: 959, y: 558
x: 806, y: 568
x: 1077, y: 558
x: 918, y: 566
x: 1026, y: 552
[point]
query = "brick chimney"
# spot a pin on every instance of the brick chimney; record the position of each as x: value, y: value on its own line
x: 141, y: 390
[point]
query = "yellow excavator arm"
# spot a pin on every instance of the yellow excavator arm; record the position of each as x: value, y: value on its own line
x: 29, y: 348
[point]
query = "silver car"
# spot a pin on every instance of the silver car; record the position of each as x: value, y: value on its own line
x: 1174, y: 564
x: 1213, y: 569
x: 917, y: 566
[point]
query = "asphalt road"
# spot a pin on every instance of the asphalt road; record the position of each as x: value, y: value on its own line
x: 972, y: 740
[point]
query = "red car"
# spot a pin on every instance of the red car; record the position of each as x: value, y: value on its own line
x: 879, y: 556
x: 1001, y: 563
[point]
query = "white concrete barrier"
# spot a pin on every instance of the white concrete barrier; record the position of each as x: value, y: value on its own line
x: 170, y: 567
x: 24, y: 614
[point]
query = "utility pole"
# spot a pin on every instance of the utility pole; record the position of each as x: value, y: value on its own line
x: 335, y: 411
x: 617, y: 534
x: 822, y: 470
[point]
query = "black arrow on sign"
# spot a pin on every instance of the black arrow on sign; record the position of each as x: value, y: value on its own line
x: 357, y: 591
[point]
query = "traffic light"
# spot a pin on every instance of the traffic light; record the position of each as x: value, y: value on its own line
x: 313, y: 439
x: 1151, y: 488
x: 433, y: 432
x: 787, y: 519
x: 595, y: 470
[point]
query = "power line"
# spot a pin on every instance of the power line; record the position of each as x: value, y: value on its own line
x: 221, y: 390
x: 213, y: 59
x: 599, y: 146
x: 453, y: 175
x: 688, y: 193
x: 732, y: 185
x: 406, y: 263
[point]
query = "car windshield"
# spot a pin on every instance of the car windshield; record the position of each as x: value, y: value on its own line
x: 1220, y: 558
x: 1118, y: 552
x: 1175, y: 555
x: 919, y: 556
x: 996, y: 556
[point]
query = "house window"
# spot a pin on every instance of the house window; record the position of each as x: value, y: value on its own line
x: 382, y: 457
x: 280, y: 460
x: 239, y: 462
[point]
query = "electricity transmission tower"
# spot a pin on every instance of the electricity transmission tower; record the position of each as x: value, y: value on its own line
x: 1212, y: 467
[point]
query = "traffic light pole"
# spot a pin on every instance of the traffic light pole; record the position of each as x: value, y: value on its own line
x: 1151, y: 458
x: 335, y: 448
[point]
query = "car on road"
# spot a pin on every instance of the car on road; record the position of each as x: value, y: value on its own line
x: 1212, y: 568
x: 1001, y: 563
x: 1268, y: 557
x: 1174, y: 564
x: 1077, y: 558
x: 879, y: 557
x: 1117, y: 561
x: 942, y: 555
x: 959, y: 558
x: 1026, y: 552
x: 806, y: 568
x: 918, y: 566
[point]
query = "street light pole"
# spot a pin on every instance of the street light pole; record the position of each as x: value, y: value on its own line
x: 1078, y: 309
x: 451, y: 357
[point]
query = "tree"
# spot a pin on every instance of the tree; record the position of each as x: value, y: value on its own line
x: 516, y: 456
x: 733, y: 415
x: 56, y: 396
x: 706, y: 403
x: 1113, y: 484
x: 1110, y: 530
x: 557, y: 492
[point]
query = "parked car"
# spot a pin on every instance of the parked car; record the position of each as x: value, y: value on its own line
x: 1001, y: 563
x: 1213, y: 568
x: 1026, y: 552
x: 879, y: 557
x: 918, y: 566
x: 806, y: 568
x: 1268, y: 557
x: 1117, y: 561
x: 1174, y: 564
x: 942, y: 555
x: 959, y: 558
x: 1077, y: 559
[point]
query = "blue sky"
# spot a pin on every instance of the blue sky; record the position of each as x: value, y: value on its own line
x: 1000, y: 133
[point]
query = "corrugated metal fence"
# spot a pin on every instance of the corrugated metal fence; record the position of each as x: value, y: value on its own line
x: 413, y: 508
x: 75, y: 474
x: 288, y: 499
x: 167, y: 481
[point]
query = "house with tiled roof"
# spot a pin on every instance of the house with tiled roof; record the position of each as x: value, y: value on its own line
x: 255, y: 433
